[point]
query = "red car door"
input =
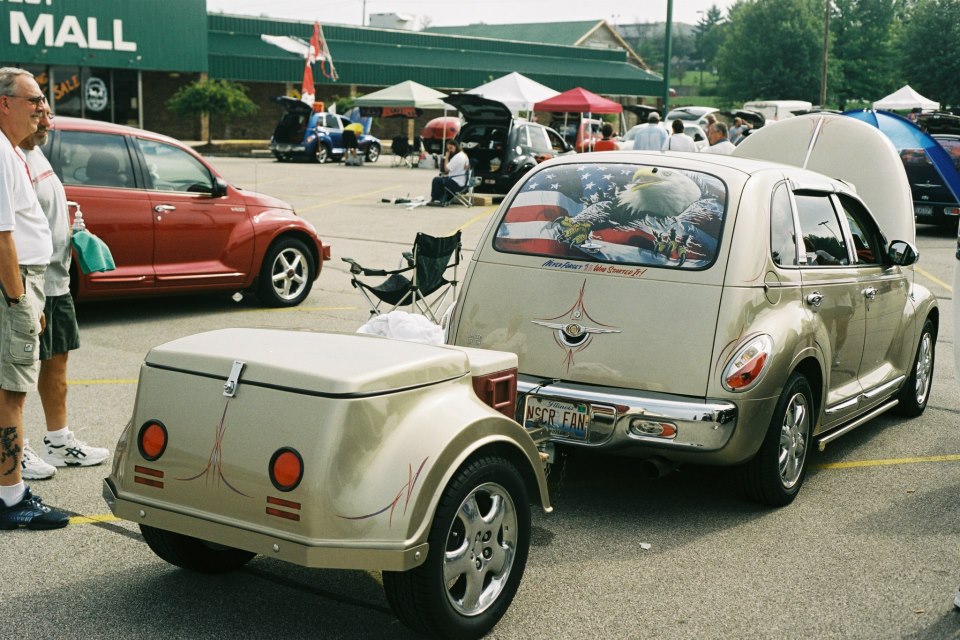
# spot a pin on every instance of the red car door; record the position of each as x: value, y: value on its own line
x: 200, y: 241
x: 97, y: 173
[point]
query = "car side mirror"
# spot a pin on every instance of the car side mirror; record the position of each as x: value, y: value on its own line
x: 902, y: 253
x: 219, y: 188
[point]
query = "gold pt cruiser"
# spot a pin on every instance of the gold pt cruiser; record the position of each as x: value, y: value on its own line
x: 728, y: 310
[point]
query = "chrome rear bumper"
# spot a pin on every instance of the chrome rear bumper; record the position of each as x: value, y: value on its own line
x: 618, y: 417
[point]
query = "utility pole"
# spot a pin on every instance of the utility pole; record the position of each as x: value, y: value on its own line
x: 667, y: 54
x: 826, y: 45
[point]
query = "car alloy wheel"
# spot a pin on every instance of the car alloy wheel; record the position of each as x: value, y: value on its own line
x: 915, y: 392
x: 287, y: 274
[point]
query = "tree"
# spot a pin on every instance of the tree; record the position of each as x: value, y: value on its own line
x: 930, y: 50
x: 863, y: 48
x: 772, y: 50
x: 212, y: 97
x: 709, y: 34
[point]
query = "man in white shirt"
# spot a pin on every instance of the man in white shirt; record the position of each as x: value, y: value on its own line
x: 651, y: 136
x: 719, y: 142
x: 61, y: 448
x: 25, y: 250
x: 679, y: 141
x: 454, y: 174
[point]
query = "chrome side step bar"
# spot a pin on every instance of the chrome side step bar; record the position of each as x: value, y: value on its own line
x: 822, y: 441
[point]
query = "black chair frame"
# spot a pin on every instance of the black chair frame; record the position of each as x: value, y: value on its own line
x: 423, y: 277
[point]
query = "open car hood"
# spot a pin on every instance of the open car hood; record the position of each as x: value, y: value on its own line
x: 753, y: 118
x: 842, y: 147
x: 479, y: 109
x: 293, y: 105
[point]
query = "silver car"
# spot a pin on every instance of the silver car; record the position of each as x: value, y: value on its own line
x: 709, y: 309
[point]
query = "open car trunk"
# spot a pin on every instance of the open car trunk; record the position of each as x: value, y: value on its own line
x: 293, y: 123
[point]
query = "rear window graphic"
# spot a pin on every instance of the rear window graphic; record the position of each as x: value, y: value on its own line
x: 617, y: 213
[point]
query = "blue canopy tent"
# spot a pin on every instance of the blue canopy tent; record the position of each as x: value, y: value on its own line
x: 906, y: 135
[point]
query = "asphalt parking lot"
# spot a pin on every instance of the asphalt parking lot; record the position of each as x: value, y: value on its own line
x: 870, y: 548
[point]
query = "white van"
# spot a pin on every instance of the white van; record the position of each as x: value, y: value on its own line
x: 777, y: 109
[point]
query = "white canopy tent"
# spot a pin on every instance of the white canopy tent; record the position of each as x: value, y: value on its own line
x: 906, y: 98
x: 516, y: 91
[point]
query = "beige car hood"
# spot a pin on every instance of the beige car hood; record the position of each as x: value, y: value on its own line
x: 320, y: 363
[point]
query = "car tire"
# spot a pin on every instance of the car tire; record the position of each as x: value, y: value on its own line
x: 287, y: 273
x: 915, y: 392
x: 373, y: 152
x: 774, y: 476
x: 322, y: 153
x: 194, y: 554
x: 479, y: 538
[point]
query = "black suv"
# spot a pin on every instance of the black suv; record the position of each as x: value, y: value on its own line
x: 502, y: 148
x: 932, y: 200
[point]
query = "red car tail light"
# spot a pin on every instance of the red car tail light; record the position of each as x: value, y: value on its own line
x: 498, y: 390
x: 748, y: 364
x: 152, y: 440
x: 286, y: 469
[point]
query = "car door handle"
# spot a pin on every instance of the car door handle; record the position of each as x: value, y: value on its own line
x: 814, y: 299
x: 162, y: 208
x: 870, y: 293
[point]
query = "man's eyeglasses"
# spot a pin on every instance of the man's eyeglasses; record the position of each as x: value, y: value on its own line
x: 36, y: 101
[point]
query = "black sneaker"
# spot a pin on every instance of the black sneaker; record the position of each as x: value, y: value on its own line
x: 31, y: 513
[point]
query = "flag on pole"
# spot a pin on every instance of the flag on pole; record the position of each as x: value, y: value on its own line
x: 323, y: 54
x: 307, y: 91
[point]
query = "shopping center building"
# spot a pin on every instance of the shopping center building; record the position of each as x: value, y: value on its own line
x: 120, y: 61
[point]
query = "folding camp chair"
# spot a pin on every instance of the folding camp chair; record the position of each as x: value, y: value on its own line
x: 400, y: 147
x: 427, y: 266
x: 463, y: 195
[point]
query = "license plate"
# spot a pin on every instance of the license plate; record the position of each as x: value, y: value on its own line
x: 921, y: 210
x: 563, y: 419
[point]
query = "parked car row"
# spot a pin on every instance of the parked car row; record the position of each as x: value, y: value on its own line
x: 307, y: 134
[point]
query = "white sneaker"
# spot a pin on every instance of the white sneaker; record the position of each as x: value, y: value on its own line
x: 73, y: 454
x: 32, y: 467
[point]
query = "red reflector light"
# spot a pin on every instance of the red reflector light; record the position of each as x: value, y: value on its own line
x: 286, y: 469
x: 283, y: 514
x: 498, y: 391
x: 152, y: 440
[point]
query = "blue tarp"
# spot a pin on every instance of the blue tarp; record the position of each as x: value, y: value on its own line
x: 906, y: 135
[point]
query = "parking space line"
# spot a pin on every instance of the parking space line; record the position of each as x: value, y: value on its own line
x: 486, y: 214
x: 887, y: 462
x: 341, y: 200
x: 297, y: 308
x: 94, y: 519
x: 933, y: 278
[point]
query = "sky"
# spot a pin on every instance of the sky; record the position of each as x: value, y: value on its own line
x: 459, y: 12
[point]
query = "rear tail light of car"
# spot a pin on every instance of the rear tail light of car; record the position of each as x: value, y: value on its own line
x: 498, y: 390
x: 951, y: 211
x: 286, y: 469
x: 748, y: 364
x: 152, y: 440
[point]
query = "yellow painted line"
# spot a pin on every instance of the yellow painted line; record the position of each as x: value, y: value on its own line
x: 887, y: 462
x: 105, y: 381
x: 475, y: 219
x: 932, y: 278
x: 92, y: 519
x: 298, y: 308
x: 366, y: 194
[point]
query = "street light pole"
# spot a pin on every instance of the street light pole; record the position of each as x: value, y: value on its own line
x: 667, y: 54
x: 826, y: 44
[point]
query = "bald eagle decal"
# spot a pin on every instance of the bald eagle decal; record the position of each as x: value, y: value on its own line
x: 619, y: 213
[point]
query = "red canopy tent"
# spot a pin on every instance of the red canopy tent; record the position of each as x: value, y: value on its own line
x: 578, y: 100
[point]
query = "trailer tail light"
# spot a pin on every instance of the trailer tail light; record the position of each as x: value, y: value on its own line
x: 286, y: 469
x: 498, y: 390
x: 748, y: 364
x: 152, y: 440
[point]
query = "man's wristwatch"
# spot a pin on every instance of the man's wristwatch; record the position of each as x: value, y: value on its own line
x: 17, y: 300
